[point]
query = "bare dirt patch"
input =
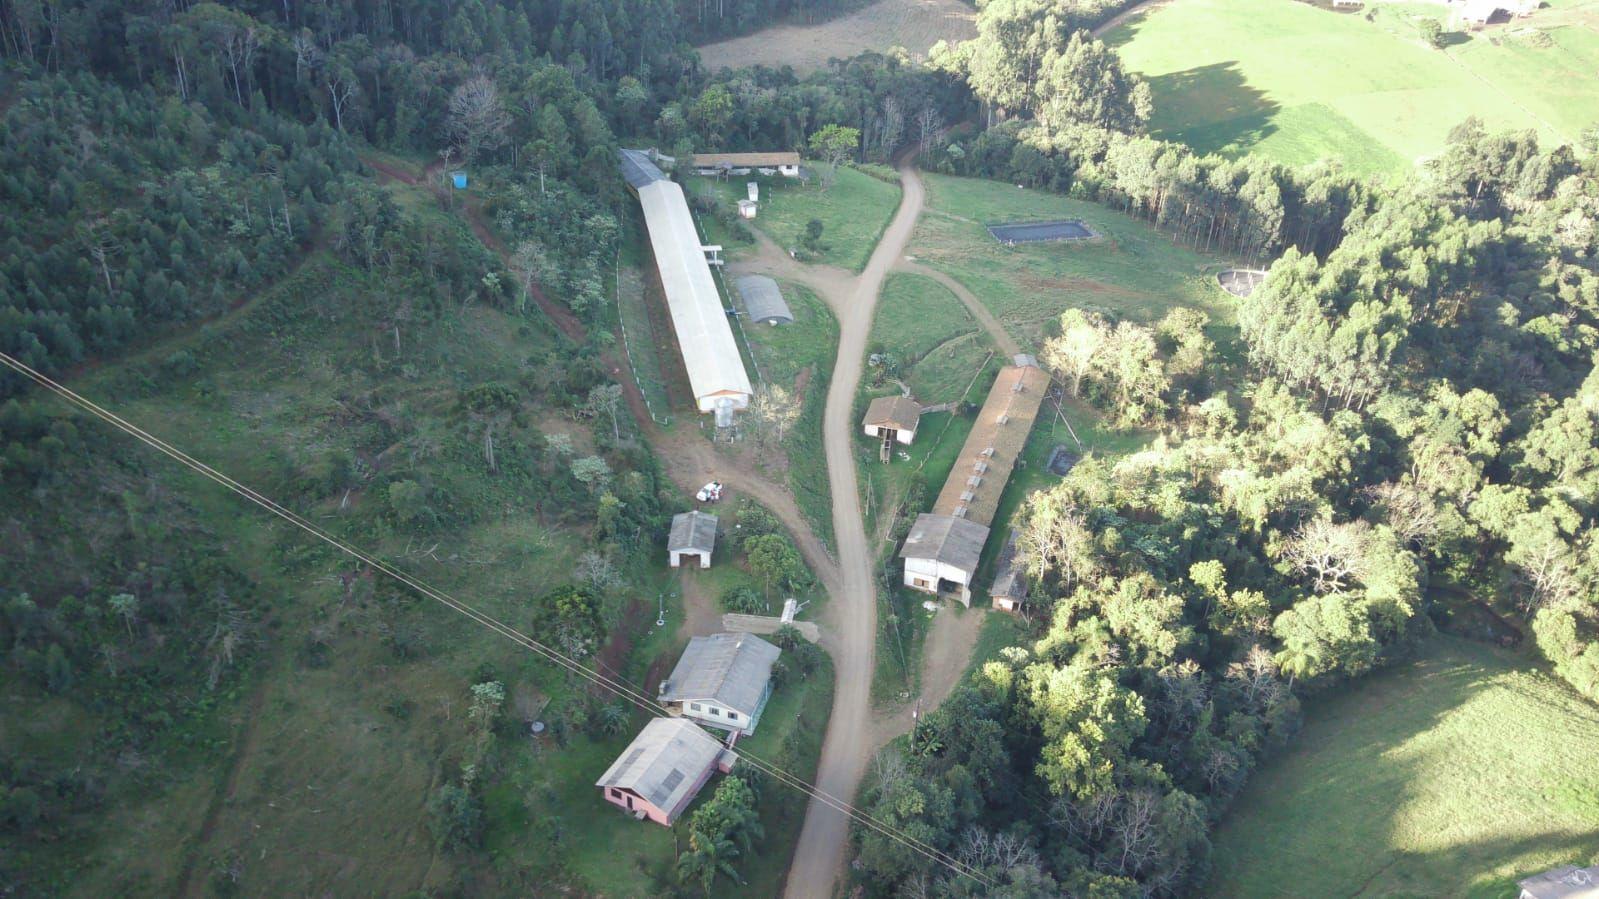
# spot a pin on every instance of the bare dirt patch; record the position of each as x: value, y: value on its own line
x: 915, y: 25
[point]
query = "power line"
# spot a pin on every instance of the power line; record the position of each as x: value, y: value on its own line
x: 620, y: 688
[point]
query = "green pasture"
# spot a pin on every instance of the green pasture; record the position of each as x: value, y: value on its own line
x: 853, y: 211
x: 1300, y: 83
x: 1453, y: 774
x: 1130, y: 270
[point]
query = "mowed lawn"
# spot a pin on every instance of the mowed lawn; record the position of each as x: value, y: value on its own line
x: 1131, y: 270
x: 853, y: 211
x: 1451, y: 775
x: 1297, y: 83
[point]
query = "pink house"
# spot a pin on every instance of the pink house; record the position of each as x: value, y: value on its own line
x: 663, y: 769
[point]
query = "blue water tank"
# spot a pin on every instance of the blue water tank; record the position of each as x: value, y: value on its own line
x: 460, y: 180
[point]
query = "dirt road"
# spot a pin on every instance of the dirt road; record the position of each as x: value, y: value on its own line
x: 1002, y: 338
x: 820, y: 855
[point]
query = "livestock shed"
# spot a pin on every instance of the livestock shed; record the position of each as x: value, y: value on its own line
x: 763, y: 300
x: 693, y: 535
x: 710, y: 356
x: 1009, y: 590
x: 786, y: 164
x: 723, y: 680
x: 663, y: 769
x: 937, y: 554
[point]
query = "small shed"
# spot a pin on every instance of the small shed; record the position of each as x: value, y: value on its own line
x: 763, y: 301
x: 754, y: 190
x: 892, y: 417
x: 663, y: 769
x: 1564, y: 882
x: 746, y: 209
x: 1479, y: 12
x: 693, y: 534
x: 1009, y: 591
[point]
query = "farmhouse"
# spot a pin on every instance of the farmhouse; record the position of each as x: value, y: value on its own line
x: 1564, y: 882
x: 693, y: 535
x: 763, y: 301
x: 943, y: 547
x: 715, y: 370
x: 722, y: 680
x: 786, y: 164
x: 663, y: 769
x: 892, y: 417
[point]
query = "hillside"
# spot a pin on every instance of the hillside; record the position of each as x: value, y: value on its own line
x: 1453, y: 773
x: 1296, y: 83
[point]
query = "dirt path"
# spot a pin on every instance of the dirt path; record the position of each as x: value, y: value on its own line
x: 1002, y: 338
x: 701, y: 614
x: 819, y: 857
x: 188, y: 884
x: 945, y: 655
x: 1148, y: 6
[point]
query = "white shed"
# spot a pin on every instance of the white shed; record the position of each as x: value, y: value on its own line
x: 693, y: 535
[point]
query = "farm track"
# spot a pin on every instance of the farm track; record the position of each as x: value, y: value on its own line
x: 996, y: 331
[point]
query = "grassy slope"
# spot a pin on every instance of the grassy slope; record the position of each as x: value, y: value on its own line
x: 1298, y: 83
x: 334, y: 763
x: 853, y: 212
x: 1132, y: 270
x: 1453, y: 774
x: 789, y: 354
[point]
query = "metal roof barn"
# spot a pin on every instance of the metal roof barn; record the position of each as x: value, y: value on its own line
x: 763, y: 300
x: 715, y: 371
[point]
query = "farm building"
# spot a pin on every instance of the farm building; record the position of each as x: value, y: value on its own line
x: 894, y: 419
x: 786, y: 164
x: 715, y: 370
x: 722, y: 680
x: 663, y: 769
x: 944, y: 545
x: 693, y: 535
x: 1564, y: 882
x: 1009, y: 591
x: 763, y: 301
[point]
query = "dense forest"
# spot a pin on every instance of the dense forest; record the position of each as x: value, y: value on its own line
x: 1409, y: 407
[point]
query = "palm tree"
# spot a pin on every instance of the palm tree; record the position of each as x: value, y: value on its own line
x: 707, y: 857
x: 1298, y: 660
x: 613, y: 718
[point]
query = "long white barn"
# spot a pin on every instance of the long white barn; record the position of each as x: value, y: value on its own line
x: 715, y: 369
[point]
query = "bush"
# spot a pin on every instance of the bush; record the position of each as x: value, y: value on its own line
x: 745, y: 600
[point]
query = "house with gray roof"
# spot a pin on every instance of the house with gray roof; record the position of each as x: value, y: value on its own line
x: 941, y: 553
x: 693, y: 535
x: 723, y: 680
x: 663, y: 769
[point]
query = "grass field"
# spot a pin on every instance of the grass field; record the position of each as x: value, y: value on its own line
x: 853, y: 212
x: 937, y: 343
x: 1132, y: 270
x: 1450, y: 775
x: 915, y: 25
x: 799, y: 357
x: 1298, y: 83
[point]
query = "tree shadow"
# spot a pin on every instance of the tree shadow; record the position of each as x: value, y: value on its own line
x: 1361, y: 796
x: 1213, y: 106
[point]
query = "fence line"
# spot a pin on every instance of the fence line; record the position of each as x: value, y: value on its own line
x: 627, y: 349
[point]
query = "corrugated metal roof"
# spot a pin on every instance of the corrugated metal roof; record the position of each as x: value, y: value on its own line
x: 708, y: 160
x: 1009, y: 579
x: 946, y: 538
x: 995, y: 441
x: 729, y: 669
x: 763, y: 300
x: 639, y: 169
x: 664, y: 762
x: 692, y: 532
x: 715, y: 369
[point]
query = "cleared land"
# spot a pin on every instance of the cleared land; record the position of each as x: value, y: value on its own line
x: 915, y: 25
x: 853, y: 212
x: 1297, y: 83
x: 1450, y: 775
x: 1131, y: 269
